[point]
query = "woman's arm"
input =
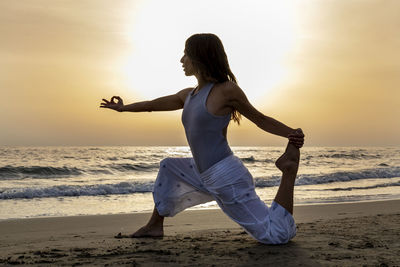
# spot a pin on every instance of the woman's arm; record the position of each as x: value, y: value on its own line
x: 238, y: 100
x: 165, y: 103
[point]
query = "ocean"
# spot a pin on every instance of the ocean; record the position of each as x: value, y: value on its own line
x: 69, y: 181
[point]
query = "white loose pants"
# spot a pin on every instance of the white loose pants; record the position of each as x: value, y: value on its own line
x: 179, y: 186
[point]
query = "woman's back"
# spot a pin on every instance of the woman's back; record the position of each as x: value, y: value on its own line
x: 205, y: 132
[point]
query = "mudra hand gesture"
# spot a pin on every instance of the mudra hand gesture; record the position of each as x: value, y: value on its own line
x: 112, y: 105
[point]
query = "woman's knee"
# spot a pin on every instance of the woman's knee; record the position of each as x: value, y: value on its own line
x: 165, y: 162
x: 281, y: 233
x: 282, y: 237
x: 275, y: 238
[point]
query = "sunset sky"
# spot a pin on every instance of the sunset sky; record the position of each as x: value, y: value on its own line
x: 329, y: 67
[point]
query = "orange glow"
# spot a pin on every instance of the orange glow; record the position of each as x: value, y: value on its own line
x: 331, y: 68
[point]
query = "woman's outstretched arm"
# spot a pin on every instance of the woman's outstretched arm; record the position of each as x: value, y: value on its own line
x: 238, y: 100
x: 165, y: 103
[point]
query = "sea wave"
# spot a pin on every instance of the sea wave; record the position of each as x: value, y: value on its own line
x: 340, y: 176
x: 251, y: 159
x: 146, y: 186
x: 12, y: 172
x: 361, y: 156
x: 43, y: 172
x: 364, y: 187
x: 123, y: 167
x: 345, y: 176
x: 76, y: 190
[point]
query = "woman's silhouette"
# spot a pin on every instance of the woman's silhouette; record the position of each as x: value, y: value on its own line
x: 214, y: 173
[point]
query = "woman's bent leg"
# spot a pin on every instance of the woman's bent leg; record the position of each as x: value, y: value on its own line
x: 233, y: 188
x: 176, y: 188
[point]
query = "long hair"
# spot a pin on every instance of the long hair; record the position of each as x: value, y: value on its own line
x: 208, y: 56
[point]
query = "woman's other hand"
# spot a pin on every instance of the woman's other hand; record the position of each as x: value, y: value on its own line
x: 112, y: 105
x: 297, y: 138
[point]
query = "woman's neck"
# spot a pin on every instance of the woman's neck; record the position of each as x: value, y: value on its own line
x: 201, y: 82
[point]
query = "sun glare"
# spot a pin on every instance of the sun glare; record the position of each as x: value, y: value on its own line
x: 257, y: 36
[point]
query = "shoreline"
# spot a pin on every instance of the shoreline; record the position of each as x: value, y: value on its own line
x: 366, y: 207
x: 211, y: 208
x: 340, y: 234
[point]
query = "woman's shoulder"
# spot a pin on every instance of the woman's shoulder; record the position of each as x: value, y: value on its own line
x: 231, y: 93
x: 228, y: 87
x: 186, y: 90
x: 182, y: 94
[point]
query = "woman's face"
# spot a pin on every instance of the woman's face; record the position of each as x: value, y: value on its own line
x: 187, y: 65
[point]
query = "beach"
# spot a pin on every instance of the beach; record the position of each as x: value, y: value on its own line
x: 344, y: 234
x: 64, y: 205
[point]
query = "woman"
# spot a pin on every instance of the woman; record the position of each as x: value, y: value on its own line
x: 214, y: 173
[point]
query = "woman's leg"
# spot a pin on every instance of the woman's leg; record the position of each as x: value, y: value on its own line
x: 176, y: 188
x: 153, y: 228
x: 233, y: 188
x: 288, y: 163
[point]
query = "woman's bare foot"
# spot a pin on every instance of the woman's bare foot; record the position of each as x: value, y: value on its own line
x: 154, y: 228
x: 145, y: 231
x: 289, y: 161
x: 149, y: 231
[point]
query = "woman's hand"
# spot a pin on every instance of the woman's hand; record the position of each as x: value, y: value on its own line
x: 112, y: 105
x: 297, y: 138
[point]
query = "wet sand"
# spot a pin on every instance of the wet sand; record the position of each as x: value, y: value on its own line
x: 350, y: 234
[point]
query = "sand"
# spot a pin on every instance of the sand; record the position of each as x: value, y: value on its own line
x: 350, y: 234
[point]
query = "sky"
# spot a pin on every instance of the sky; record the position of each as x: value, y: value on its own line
x: 329, y: 67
